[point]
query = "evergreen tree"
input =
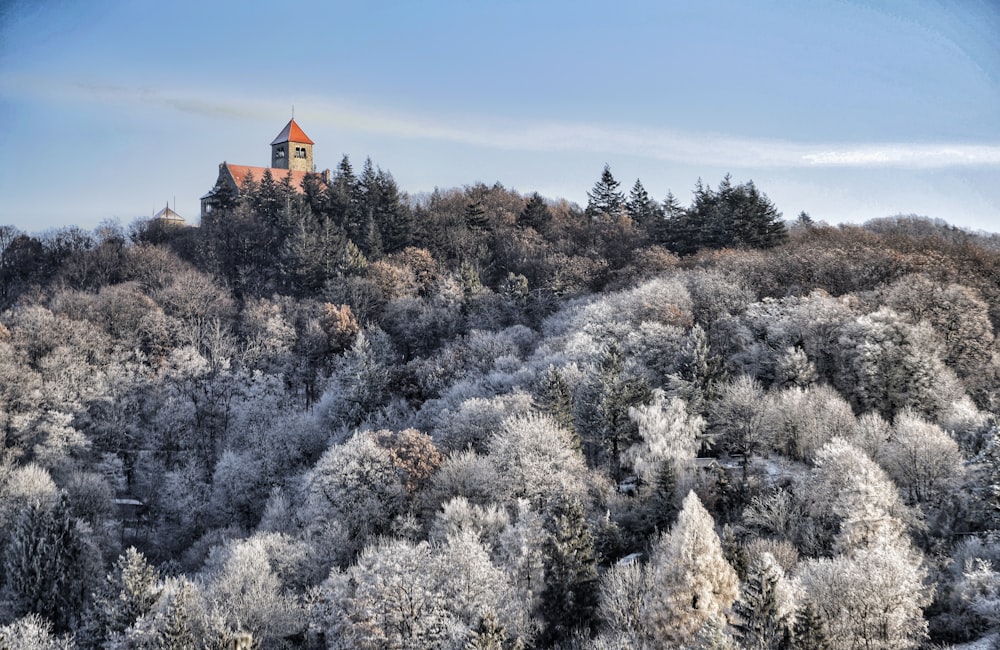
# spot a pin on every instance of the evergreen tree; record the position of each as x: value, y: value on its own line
x: 569, y: 597
x: 763, y: 611
x: 641, y: 209
x: 393, y: 218
x: 178, y: 631
x: 617, y: 394
x: 343, y: 193
x: 127, y: 593
x: 733, y: 216
x: 808, y: 632
x: 661, y: 509
x: 314, y: 190
x: 605, y: 198
x: 475, y: 216
x: 488, y: 635
x: 48, y: 565
x: 556, y: 401
x: 536, y: 214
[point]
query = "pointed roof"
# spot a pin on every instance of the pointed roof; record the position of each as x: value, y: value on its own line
x: 292, y: 133
x: 168, y: 215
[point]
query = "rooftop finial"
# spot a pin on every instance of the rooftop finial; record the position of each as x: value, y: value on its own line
x: 293, y: 111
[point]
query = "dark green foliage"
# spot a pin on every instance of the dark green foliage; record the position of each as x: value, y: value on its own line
x: 605, y: 198
x: 641, y: 209
x: 48, y: 565
x: 556, y: 400
x: 489, y: 635
x: 661, y: 507
x: 536, y: 214
x: 618, y: 392
x: 808, y: 633
x: 760, y: 624
x: 733, y: 216
x: 391, y: 217
x: 569, y: 597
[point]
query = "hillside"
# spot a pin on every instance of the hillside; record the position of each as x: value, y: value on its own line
x: 348, y: 419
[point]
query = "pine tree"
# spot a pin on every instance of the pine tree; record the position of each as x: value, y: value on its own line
x: 618, y: 393
x: 48, y: 564
x: 569, y: 597
x: 475, y: 216
x: 178, y: 630
x: 488, y: 635
x: 808, y: 632
x: 762, y: 611
x: 536, y: 214
x: 661, y: 508
x: 556, y: 401
x: 343, y: 196
x: 393, y: 218
x: 641, y: 209
x: 126, y: 594
x: 605, y: 198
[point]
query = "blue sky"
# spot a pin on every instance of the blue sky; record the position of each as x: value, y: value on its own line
x: 849, y: 110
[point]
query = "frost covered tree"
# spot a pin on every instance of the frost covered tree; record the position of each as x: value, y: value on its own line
x: 354, y: 493
x: 690, y: 580
x: 409, y: 596
x: 33, y: 632
x: 801, y: 420
x: 668, y: 433
x: 850, y: 501
x: 887, y: 364
x: 737, y: 417
x: 246, y: 592
x: 870, y: 598
x: 923, y: 460
x: 49, y: 565
x: 765, y: 609
x: 536, y: 459
x: 128, y: 592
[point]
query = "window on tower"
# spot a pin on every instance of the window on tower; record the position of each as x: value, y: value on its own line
x: 280, y: 153
x: 300, y: 152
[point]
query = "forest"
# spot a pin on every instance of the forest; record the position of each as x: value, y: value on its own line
x: 339, y: 416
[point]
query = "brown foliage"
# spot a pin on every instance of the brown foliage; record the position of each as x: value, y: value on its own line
x: 413, y: 454
x: 340, y: 326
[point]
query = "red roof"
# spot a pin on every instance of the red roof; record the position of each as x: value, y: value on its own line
x: 292, y: 133
x: 239, y: 172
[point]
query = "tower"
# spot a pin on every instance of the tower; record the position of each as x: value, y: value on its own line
x: 292, y: 149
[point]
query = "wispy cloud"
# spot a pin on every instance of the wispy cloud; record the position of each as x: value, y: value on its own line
x: 495, y: 133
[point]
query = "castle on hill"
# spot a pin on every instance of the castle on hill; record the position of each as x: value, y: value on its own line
x: 291, y: 156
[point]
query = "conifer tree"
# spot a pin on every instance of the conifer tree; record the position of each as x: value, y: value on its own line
x: 127, y: 593
x: 178, y: 632
x: 605, y: 198
x: 618, y: 393
x: 569, y: 597
x: 48, y: 565
x: 536, y: 214
x: 488, y: 635
x: 556, y: 400
x: 808, y: 632
x: 690, y: 581
x: 393, y: 218
x: 763, y: 611
x: 641, y: 209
